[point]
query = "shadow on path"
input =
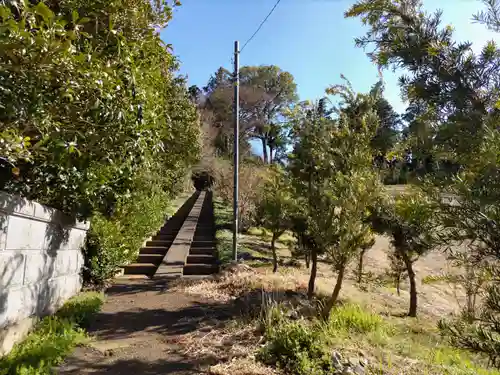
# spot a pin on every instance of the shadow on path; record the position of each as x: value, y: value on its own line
x: 139, y: 327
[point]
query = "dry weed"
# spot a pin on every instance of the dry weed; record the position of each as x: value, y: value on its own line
x: 242, y: 366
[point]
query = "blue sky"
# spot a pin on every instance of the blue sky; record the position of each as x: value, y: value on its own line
x: 309, y: 38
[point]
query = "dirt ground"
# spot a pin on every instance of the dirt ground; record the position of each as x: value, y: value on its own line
x: 436, y: 300
x: 139, y: 329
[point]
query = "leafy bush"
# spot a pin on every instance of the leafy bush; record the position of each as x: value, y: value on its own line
x: 296, y: 348
x: 53, y: 338
x: 115, y: 241
x: 104, y: 104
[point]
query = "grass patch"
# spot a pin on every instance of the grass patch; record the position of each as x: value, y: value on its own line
x: 53, y: 338
x: 224, y: 245
x: 352, y: 318
x: 223, y: 224
x: 81, y: 308
x: 432, y: 279
x: 223, y: 214
x: 260, y: 232
x: 286, y: 238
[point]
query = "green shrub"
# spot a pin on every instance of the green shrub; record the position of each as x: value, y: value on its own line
x: 53, y: 338
x: 113, y: 242
x: 297, y: 347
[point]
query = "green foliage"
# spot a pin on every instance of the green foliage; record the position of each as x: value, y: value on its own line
x: 387, y: 131
x: 265, y: 91
x: 276, y: 206
x: 103, y: 103
x: 296, y: 348
x: 106, y: 131
x: 453, y: 125
x: 332, y: 171
x: 268, y: 90
x: 53, y: 338
x: 115, y: 241
x: 223, y: 214
x: 448, y: 108
x: 410, y: 220
x: 490, y: 17
x: 301, y: 345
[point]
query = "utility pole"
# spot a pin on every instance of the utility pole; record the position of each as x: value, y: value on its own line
x: 236, y: 151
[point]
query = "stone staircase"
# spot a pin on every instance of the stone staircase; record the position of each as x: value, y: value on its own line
x: 202, y: 256
x: 151, y: 256
x: 184, y: 246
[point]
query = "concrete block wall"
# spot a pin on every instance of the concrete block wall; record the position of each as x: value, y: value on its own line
x: 40, y: 264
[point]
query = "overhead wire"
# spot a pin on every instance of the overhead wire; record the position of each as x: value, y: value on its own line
x: 260, y: 26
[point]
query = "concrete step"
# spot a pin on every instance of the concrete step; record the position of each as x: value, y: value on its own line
x: 200, y: 269
x: 150, y: 258
x: 153, y: 250
x: 200, y: 259
x: 170, y: 229
x: 202, y: 250
x: 164, y: 237
x: 197, y: 243
x: 170, y: 232
x: 200, y: 277
x: 159, y: 243
x: 140, y: 269
x: 203, y: 239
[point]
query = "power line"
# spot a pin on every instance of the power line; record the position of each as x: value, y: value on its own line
x: 260, y: 26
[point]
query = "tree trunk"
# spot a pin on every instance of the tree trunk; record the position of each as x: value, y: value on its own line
x: 335, y: 294
x: 413, y: 286
x: 360, y: 266
x: 275, y: 256
x: 398, y: 283
x: 264, y: 150
x: 270, y: 155
x: 307, y: 256
x: 312, y: 278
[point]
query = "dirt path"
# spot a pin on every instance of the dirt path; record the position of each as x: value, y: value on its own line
x: 138, y: 331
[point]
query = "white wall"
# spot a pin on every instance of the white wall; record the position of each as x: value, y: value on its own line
x: 40, y: 263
